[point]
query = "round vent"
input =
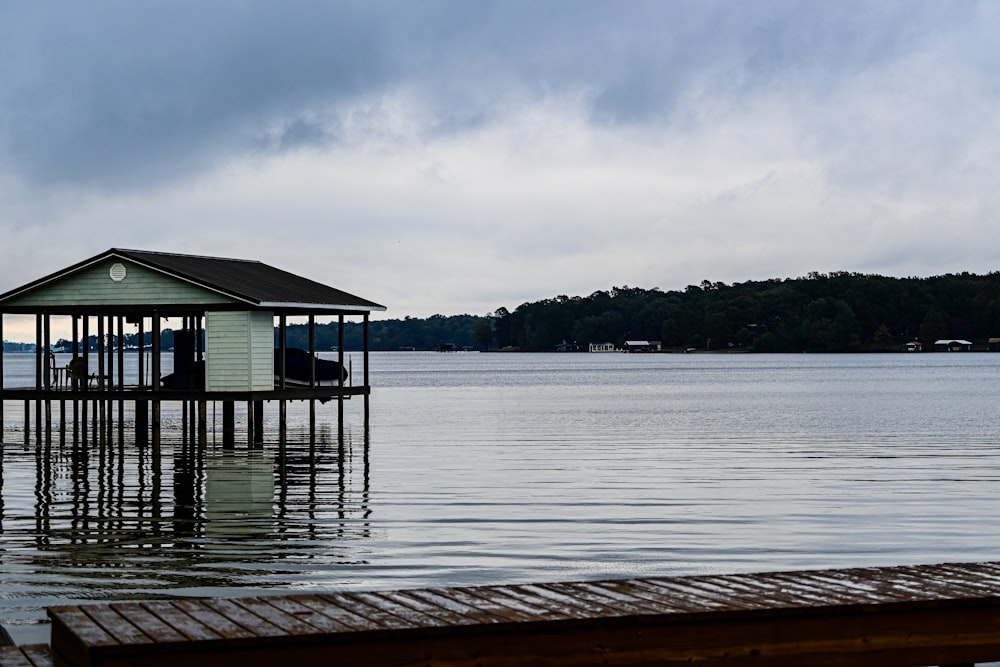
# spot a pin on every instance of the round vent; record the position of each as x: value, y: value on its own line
x: 118, y: 272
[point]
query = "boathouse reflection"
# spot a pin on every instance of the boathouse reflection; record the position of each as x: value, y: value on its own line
x: 102, y: 504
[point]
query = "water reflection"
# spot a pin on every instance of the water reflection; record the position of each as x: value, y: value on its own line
x: 107, y: 520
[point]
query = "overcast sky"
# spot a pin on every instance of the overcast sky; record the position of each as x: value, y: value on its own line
x: 458, y: 156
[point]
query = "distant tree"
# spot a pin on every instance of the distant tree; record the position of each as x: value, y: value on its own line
x: 934, y: 326
x: 883, y: 337
x: 484, y: 331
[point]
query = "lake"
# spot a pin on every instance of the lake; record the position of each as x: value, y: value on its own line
x: 504, y: 468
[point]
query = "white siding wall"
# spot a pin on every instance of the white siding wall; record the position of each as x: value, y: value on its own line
x: 239, y: 351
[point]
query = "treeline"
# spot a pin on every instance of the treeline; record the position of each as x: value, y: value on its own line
x: 834, y: 312
x: 432, y: 333
x: 822, y: 312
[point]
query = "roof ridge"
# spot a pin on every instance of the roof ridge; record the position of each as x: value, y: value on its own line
x: 133, y: 251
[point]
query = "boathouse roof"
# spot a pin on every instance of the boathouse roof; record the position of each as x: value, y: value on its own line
x: 247, y: 283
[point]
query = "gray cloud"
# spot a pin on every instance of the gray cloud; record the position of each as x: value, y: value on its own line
x: 584, y: 142
x: 114, y: 94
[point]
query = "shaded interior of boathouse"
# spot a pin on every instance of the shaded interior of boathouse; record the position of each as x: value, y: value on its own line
x: 226, y: 322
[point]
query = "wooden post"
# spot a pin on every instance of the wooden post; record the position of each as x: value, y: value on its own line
x: 251, y: 426
x: 282, y: 346
x: 340, y: 360
x: 202, y: 423
x: 282, y: 420
x: 102, y: 416
x: 109, y: 350
x: 258, y: 422
x: 156, y: 425
x: 228, y: 425
x: 141, y: 333
x: 76, y: 421
x: 141, y: 422
x: 94, y: 418
x: 50, y: 365
x: 62, y: 421
x: 340, y: 349
x: 312, y: 351
x: 39, y: 344
x: 193, y: 425
x: 312, y: 415
x: 155, y: 379
x: 367, y: 389
x: 86, y: 351
x: 121, y: 351
x: 49, y: 356
x: 76, y: 352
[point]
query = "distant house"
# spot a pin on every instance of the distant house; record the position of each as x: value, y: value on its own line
x: 993, y: 344
x: 914, y: 346
x: 602, y: 347
x: 642, y: 345
x: 952, y: 345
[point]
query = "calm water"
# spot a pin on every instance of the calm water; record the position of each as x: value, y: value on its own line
x: 496, y: 468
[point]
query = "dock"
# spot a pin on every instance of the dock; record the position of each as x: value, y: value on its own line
x: 946, y: 614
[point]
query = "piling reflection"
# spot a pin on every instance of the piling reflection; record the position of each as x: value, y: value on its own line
x: 184, y: 517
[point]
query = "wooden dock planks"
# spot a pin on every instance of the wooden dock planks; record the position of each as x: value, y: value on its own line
x: 910, y: 615
x: 30, y: 655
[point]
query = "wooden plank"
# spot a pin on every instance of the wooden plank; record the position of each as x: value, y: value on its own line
x: 336, y: 613
x: 570, y: 606
x: 443, y: 615
x: 39, y: 655
x: 81, y: 626
x: 116, y: 625
x: 744, y: 593
x: 316, y: 620
x: 775, y: 589
x: 181, y: 621
x: 986, y: 574
x: 814, y: 592
x: 146, y: 622
x: 452, y: 610
x: 74, y: 635
x: 645, y: 598
x: 286, y: 623
x: 473, y: 596
x: 535, y: 606
x: 11, y: 656
x: 200, y: 611
x: 385, y: 606
x: 240, y: 616
x: 955, y: 580
x: 679, y: 591
x: 508, y: 606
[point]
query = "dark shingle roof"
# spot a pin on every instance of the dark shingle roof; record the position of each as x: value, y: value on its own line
x: 250, y: 281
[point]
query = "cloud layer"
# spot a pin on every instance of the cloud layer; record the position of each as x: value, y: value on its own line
x: 448, y: 156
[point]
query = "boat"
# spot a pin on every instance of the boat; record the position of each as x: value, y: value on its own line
x: 328, y: 371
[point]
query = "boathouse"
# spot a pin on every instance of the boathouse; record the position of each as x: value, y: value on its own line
x: 223, y: 315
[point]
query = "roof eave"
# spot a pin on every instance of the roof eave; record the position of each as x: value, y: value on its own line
x: 318, y: 307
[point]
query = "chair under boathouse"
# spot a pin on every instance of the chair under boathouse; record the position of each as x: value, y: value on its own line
x: 225, y: 348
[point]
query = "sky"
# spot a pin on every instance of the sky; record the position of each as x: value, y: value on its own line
x: 456, y: 156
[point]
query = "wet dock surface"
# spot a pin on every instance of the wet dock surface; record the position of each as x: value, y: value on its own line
x: 908, y: 615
